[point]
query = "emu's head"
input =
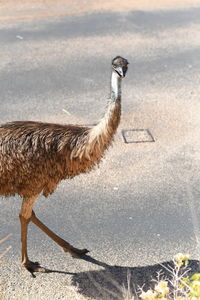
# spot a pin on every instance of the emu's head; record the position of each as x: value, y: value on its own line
x: 120, y: 66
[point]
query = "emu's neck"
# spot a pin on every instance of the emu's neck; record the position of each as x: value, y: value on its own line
x: 101, y: 135
x: 115, y: 87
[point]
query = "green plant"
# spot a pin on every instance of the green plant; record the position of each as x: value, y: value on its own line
x: 181, y: 286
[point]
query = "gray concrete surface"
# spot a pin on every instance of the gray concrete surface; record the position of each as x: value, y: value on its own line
x: 142, y: 205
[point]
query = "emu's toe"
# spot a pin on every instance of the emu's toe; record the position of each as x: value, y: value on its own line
x: 77, y: 252
x: 34, y: 267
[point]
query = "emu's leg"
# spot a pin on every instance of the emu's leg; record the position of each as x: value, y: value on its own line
x: 25, y: 217
x: 65, y: 245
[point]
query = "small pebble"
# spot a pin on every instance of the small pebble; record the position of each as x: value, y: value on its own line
x: 19, y: 37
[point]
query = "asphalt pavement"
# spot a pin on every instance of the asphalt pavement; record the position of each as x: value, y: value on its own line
x: 141, y: 206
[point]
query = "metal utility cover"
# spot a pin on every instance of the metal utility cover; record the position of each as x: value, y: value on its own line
x: 137, y: 136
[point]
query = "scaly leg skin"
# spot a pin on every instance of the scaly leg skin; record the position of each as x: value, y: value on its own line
x: 65, y: 245
x: 29, y: 265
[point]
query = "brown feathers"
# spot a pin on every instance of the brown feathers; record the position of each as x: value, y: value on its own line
x: 35, y: 156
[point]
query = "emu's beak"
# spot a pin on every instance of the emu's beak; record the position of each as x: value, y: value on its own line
x: 121, y: 71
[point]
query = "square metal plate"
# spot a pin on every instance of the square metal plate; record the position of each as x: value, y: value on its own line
x: 137, y: 136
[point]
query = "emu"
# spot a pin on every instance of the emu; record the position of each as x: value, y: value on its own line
x: 36, y: 156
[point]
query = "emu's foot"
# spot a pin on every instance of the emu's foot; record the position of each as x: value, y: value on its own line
x: 75, y: 252
x: 34, y: 267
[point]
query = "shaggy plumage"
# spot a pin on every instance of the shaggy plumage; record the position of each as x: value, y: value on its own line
x: 35, y: 156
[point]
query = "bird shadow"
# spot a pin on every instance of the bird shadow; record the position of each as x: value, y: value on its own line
x: 118, y: 282
x: 46, y: 270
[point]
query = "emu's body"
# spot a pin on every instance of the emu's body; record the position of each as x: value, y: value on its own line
x: 35, y: 157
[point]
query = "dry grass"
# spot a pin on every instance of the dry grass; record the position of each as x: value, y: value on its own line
x: 5, y: 250
x: 2, y: 253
